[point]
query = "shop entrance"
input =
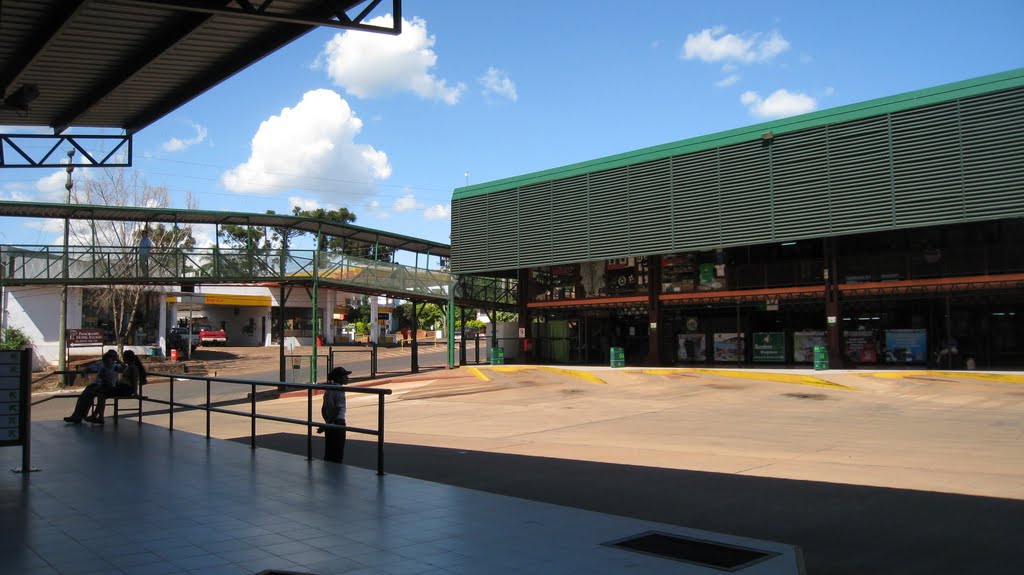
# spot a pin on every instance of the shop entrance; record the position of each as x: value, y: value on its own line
x: 585, y: 337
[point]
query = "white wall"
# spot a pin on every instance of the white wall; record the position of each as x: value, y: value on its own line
x: 35, y: 310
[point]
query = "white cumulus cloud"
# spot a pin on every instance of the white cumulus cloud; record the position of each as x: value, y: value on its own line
x: 405, y: 203
x: 498, y: 83
x: 305, y: 204
x: 178, y: 144
x: 313, y: 141
x: 715, y: 45
x: 368, y: 65
x: 779, y: 104
x: 438, y: 212
x: 727, y: 81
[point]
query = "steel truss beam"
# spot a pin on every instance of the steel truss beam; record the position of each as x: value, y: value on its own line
x: 261, y: 9
x: 487, y: 293
x: 952, y: 287
x: 30, y: 156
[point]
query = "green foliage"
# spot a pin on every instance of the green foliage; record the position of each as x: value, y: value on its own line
x: 504, y: 316
x: 472, y: 324
x: 431, y: 316
x: 264, y: 238
x: 362, y: 328
x: 12, y: 338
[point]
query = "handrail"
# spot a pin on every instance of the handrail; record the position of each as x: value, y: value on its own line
x: 208, y: 408
x: 123, y: 264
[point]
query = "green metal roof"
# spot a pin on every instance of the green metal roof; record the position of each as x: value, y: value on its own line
x: 870, y: 108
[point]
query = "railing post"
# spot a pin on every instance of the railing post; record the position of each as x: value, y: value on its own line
x: 252, y: 418
x: 170, y: 425
x: 373, y: 360
x: 207, y: 407
x: 380, y: 434
x: 309, y: 424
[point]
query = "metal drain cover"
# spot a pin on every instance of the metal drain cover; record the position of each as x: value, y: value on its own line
x: 697, y: 551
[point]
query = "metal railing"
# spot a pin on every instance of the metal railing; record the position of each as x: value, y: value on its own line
x: 209, y: 408
x: 43, y: 264
x: 346, y: 350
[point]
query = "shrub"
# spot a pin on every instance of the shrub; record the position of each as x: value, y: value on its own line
x: 13, y: 338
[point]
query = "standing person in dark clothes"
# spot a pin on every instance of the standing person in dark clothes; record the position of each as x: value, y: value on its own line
x: 106, y: 371
x: 333, y: 412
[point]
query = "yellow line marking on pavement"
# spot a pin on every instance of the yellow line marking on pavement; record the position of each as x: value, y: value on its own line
x: 659, y: 371
x: 479, y: 374
x: 578, y: 374
x: 776, y: 377
x: 994, y: 377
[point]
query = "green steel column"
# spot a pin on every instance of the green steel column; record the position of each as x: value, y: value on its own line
x: 216, y: 250
x: 316, y: 290
x: 280, y: 329
x: 450, y: 336
x: 414, y: 358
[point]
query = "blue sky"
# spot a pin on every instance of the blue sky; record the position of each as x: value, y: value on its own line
x: 389, y: 126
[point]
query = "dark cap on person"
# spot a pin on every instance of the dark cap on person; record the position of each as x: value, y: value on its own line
x: 338, y: 374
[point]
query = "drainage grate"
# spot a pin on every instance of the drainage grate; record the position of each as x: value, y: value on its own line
x: 697, y: 551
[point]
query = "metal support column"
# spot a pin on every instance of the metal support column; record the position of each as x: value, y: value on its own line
x: 316, y: 293
x: 414, y: 357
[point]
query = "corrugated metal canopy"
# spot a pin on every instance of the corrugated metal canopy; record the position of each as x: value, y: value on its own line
x: 183, y: 216
x: 126, y: 63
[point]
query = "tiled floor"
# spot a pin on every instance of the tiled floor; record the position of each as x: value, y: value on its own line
x: 142, y: 500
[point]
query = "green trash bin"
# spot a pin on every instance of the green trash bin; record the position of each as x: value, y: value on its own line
x: 618, y: 357
x: 820, y: 357
x: 497, y: 356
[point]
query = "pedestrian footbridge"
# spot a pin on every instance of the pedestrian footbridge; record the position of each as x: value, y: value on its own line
x: 423, y: 276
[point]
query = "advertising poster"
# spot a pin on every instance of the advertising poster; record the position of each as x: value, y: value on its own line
x: 691, y: 348
x: 906, y: 346
x: 860, y: 346
x: 728, y: 346
x: 770, y: 347
x: 803, y: 345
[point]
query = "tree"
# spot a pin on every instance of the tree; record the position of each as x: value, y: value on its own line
x: 111, y: 187
x: 430, y: 315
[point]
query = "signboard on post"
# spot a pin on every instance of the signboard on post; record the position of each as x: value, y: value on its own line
x: 15, y: 402
x: 84, y: 337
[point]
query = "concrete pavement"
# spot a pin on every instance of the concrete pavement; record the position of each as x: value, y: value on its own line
x: 870, y: 472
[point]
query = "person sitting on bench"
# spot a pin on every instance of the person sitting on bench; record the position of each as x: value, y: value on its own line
x: 128, y: 384
x: 106, y: 371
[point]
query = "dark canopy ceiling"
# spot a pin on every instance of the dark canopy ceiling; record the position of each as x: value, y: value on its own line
x: 127, y: 63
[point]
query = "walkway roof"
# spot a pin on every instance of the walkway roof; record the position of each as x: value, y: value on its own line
x: 861, y: 110
x: 184, y: 216
x: 127, y: 63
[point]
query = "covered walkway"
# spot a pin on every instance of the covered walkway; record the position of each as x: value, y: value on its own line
x: 136, y: 499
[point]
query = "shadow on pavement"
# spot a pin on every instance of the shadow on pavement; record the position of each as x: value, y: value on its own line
x: 843, y: 529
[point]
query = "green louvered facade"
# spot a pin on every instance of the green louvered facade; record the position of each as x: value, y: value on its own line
x: 949, y: 154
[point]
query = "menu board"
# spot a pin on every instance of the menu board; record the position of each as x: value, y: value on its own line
x: 14, y: 396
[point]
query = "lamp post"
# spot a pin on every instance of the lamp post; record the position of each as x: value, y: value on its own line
x: 62, y: 338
